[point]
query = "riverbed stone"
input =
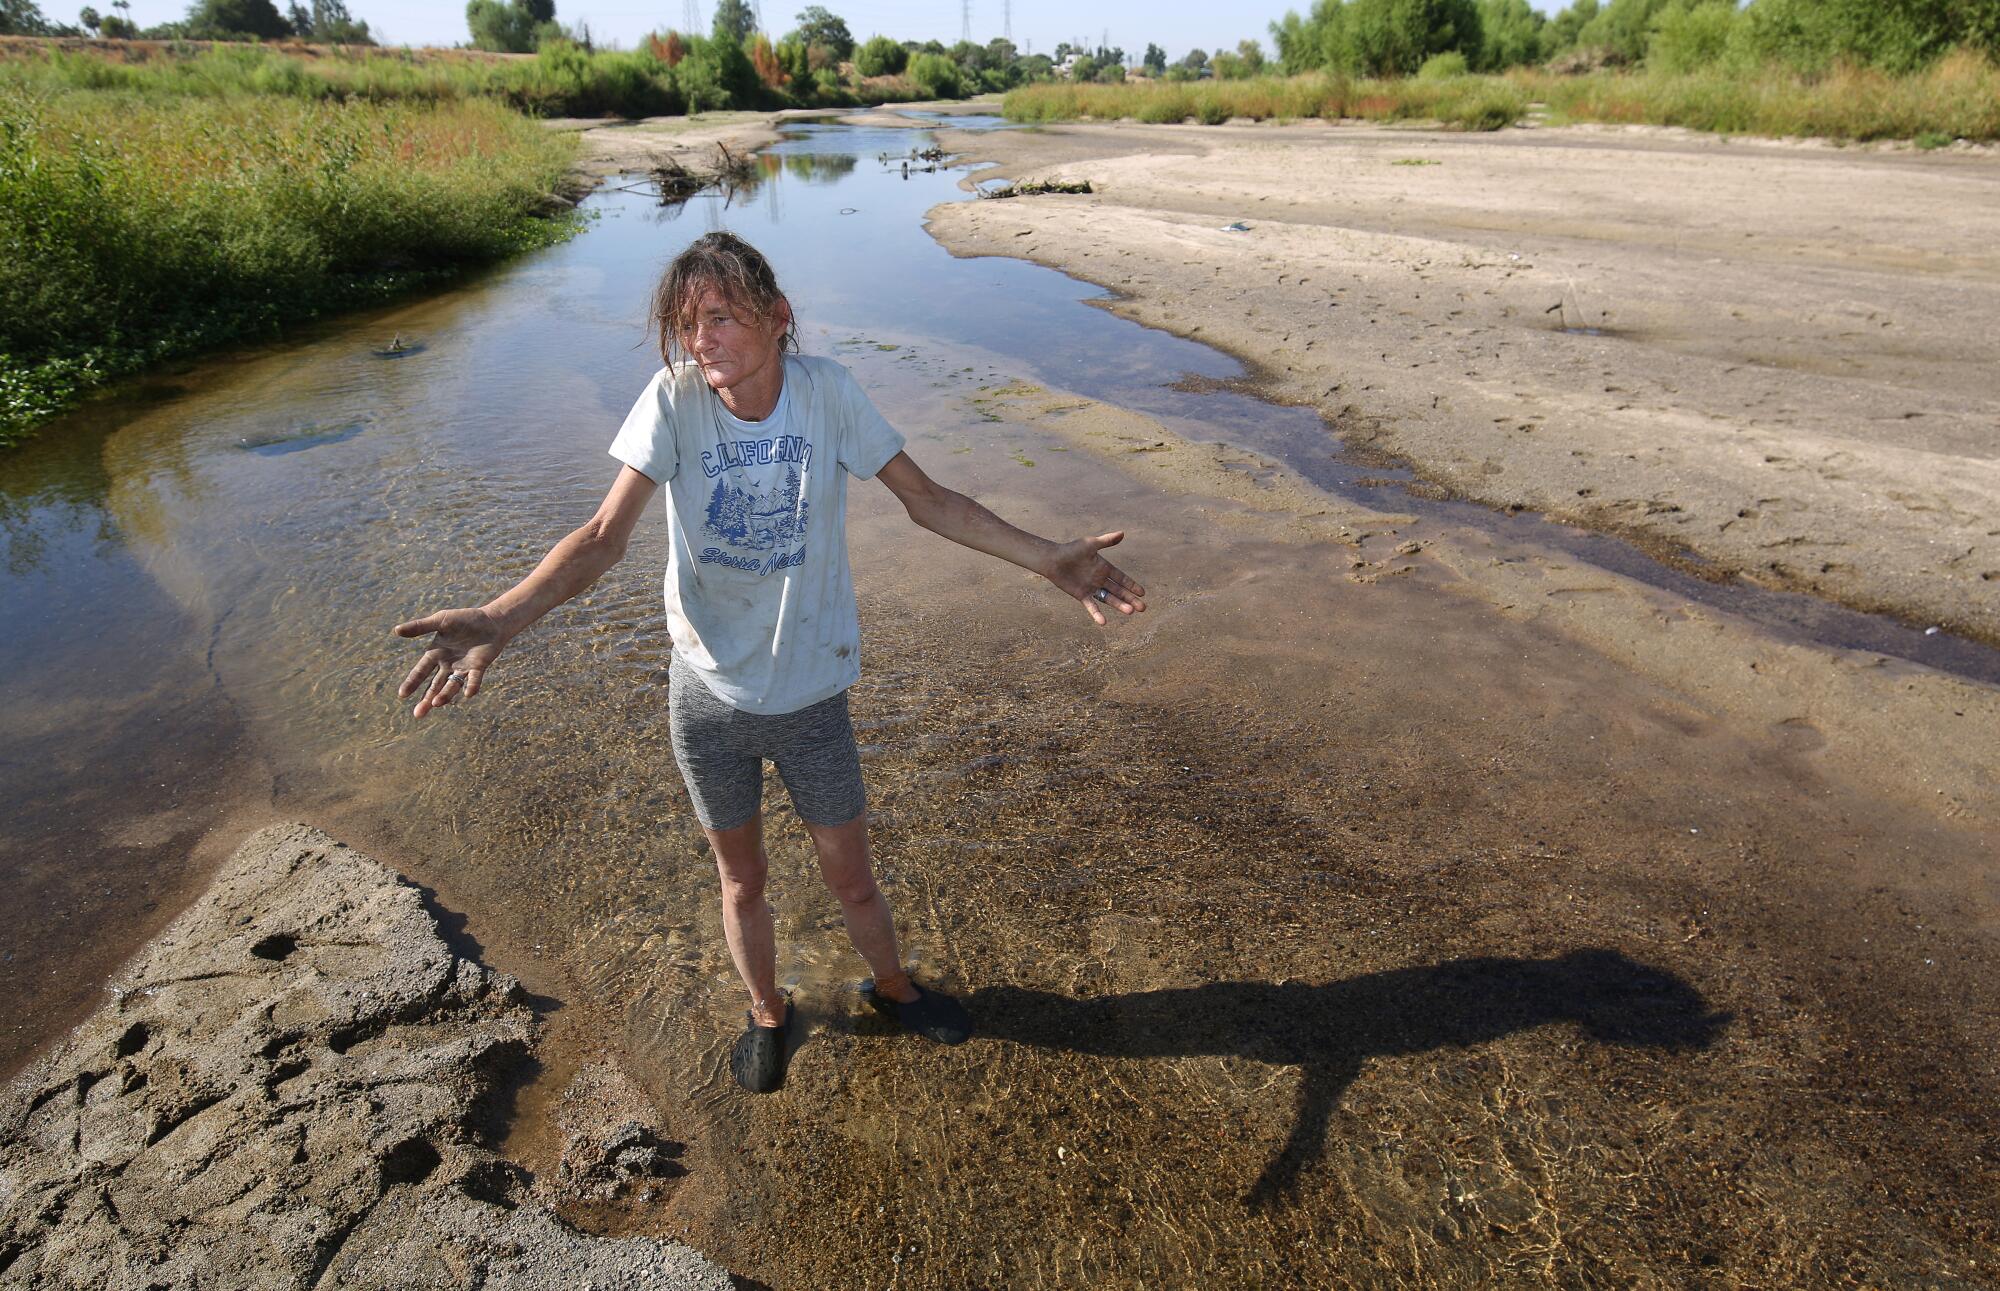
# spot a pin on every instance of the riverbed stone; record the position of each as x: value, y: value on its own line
x: 283, y: 1090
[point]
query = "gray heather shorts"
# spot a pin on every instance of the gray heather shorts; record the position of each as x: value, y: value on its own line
x: 721, y: 751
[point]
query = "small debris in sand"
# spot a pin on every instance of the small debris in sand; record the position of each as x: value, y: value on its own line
x: 1035, y: 188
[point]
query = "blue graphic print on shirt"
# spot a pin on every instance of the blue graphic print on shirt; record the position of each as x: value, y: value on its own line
x: 752, y: 516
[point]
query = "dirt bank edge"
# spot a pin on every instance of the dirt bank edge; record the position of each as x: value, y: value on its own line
x: 286, y: 1088
x: 1149, y: 237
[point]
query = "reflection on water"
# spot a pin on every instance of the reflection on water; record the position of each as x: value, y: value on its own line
x: 185, y: 577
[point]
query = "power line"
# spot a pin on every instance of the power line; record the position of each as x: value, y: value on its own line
x: 965, y: 21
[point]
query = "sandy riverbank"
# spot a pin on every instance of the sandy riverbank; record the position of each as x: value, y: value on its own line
x: 1777, y: 358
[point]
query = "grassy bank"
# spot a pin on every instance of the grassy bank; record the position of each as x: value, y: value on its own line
x: 1468, y: 102
x: 1957, y: 97
x: 138, y: 226
x: 561, y: 80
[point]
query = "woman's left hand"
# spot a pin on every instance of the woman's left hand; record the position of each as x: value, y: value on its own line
x: 1077, y: 568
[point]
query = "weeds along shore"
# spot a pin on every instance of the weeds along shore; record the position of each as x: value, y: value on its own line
x: 1957, y: 97
x: 135, y: 227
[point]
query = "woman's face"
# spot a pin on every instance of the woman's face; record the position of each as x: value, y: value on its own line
x: 732, y: 347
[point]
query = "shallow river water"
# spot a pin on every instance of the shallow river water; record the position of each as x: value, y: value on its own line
x: 1187, y: 921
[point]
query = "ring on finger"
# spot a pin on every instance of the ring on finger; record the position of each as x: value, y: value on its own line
x: 1102, y: 594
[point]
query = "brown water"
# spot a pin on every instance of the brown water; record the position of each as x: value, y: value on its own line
x: 1320, y: 934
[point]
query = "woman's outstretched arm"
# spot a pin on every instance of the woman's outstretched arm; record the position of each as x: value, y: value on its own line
x: 467, y: 641
x: 1075, y: 566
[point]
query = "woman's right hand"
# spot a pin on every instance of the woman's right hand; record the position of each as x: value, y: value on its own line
x: 466, y: 644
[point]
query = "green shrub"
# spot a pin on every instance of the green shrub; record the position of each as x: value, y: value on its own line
x: 880, y: 56
x: 1211, y: 109
x: 1169, y: 105
x: 937, y: 76
x: 1443, y: 67
x: 1394, y: 37
x: 1687, y: 37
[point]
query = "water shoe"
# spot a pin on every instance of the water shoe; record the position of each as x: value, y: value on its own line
x: 758, y: 1060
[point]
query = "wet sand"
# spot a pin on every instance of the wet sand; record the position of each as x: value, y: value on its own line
x: 1326, y: 926
x: 1774, y: 357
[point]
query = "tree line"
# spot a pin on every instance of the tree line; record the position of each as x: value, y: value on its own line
x: 325, y: 21
x: 1400, y: 37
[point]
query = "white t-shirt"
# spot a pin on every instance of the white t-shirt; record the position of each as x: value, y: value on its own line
x: 760, y: 600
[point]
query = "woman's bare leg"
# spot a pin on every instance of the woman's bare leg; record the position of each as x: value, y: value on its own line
x: 843, y: 863
x: 746, y: 916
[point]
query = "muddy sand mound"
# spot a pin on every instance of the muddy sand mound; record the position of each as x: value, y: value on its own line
x: 284, y: 1089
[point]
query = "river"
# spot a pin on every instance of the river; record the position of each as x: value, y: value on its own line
x: 1105, y: 838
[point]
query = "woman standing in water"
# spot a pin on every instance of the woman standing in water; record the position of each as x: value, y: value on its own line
x: 754, y: 442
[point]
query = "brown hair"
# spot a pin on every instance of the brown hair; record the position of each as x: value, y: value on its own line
x: 733, y: 267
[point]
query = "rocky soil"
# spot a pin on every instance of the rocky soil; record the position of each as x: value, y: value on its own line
x: 290, y: 1088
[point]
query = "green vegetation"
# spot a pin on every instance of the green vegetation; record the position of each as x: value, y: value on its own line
x: 1466, y: 102
x: 1957, y: 97
x: 1396, y: 37
x: 136, y: 226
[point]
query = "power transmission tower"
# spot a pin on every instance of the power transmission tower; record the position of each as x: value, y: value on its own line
x: 691, y: 17
x: 965, y: 21
x: 1007, y: 21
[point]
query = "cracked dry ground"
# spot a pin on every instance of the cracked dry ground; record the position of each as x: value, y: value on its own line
x: 286, y: 1090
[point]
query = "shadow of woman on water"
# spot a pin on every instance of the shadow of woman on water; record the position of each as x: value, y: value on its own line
x: 1331, y: 1030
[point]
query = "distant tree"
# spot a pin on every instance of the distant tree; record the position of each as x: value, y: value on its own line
x: 1001, y: 52
x: 1155, y: 60
x: 1197, y: 58
x: 329, y: 23
x: 1510, y: 35
x: 1394, y: 37
x: 1035, y: 67
x: 1686, y: 38
x: 1252, y: 55
x: 1561, y: 31
x: 1111, y: 73
x: 1621, y: 28
x: 1083, y: 69
x: 89, y: 19
x: 1063, y: 50
x: 1108, y: 54
x: 880, y: 56
x: 770, y: 69
x: 734, y: 20
x: 968, y: 55
x: 510, y: 26
x: 235, y: 19
x: 22, y: 18
x: 937, y: 76
x: 819, y: 26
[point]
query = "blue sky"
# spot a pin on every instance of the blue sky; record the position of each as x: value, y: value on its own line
x: 1176, y: 26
